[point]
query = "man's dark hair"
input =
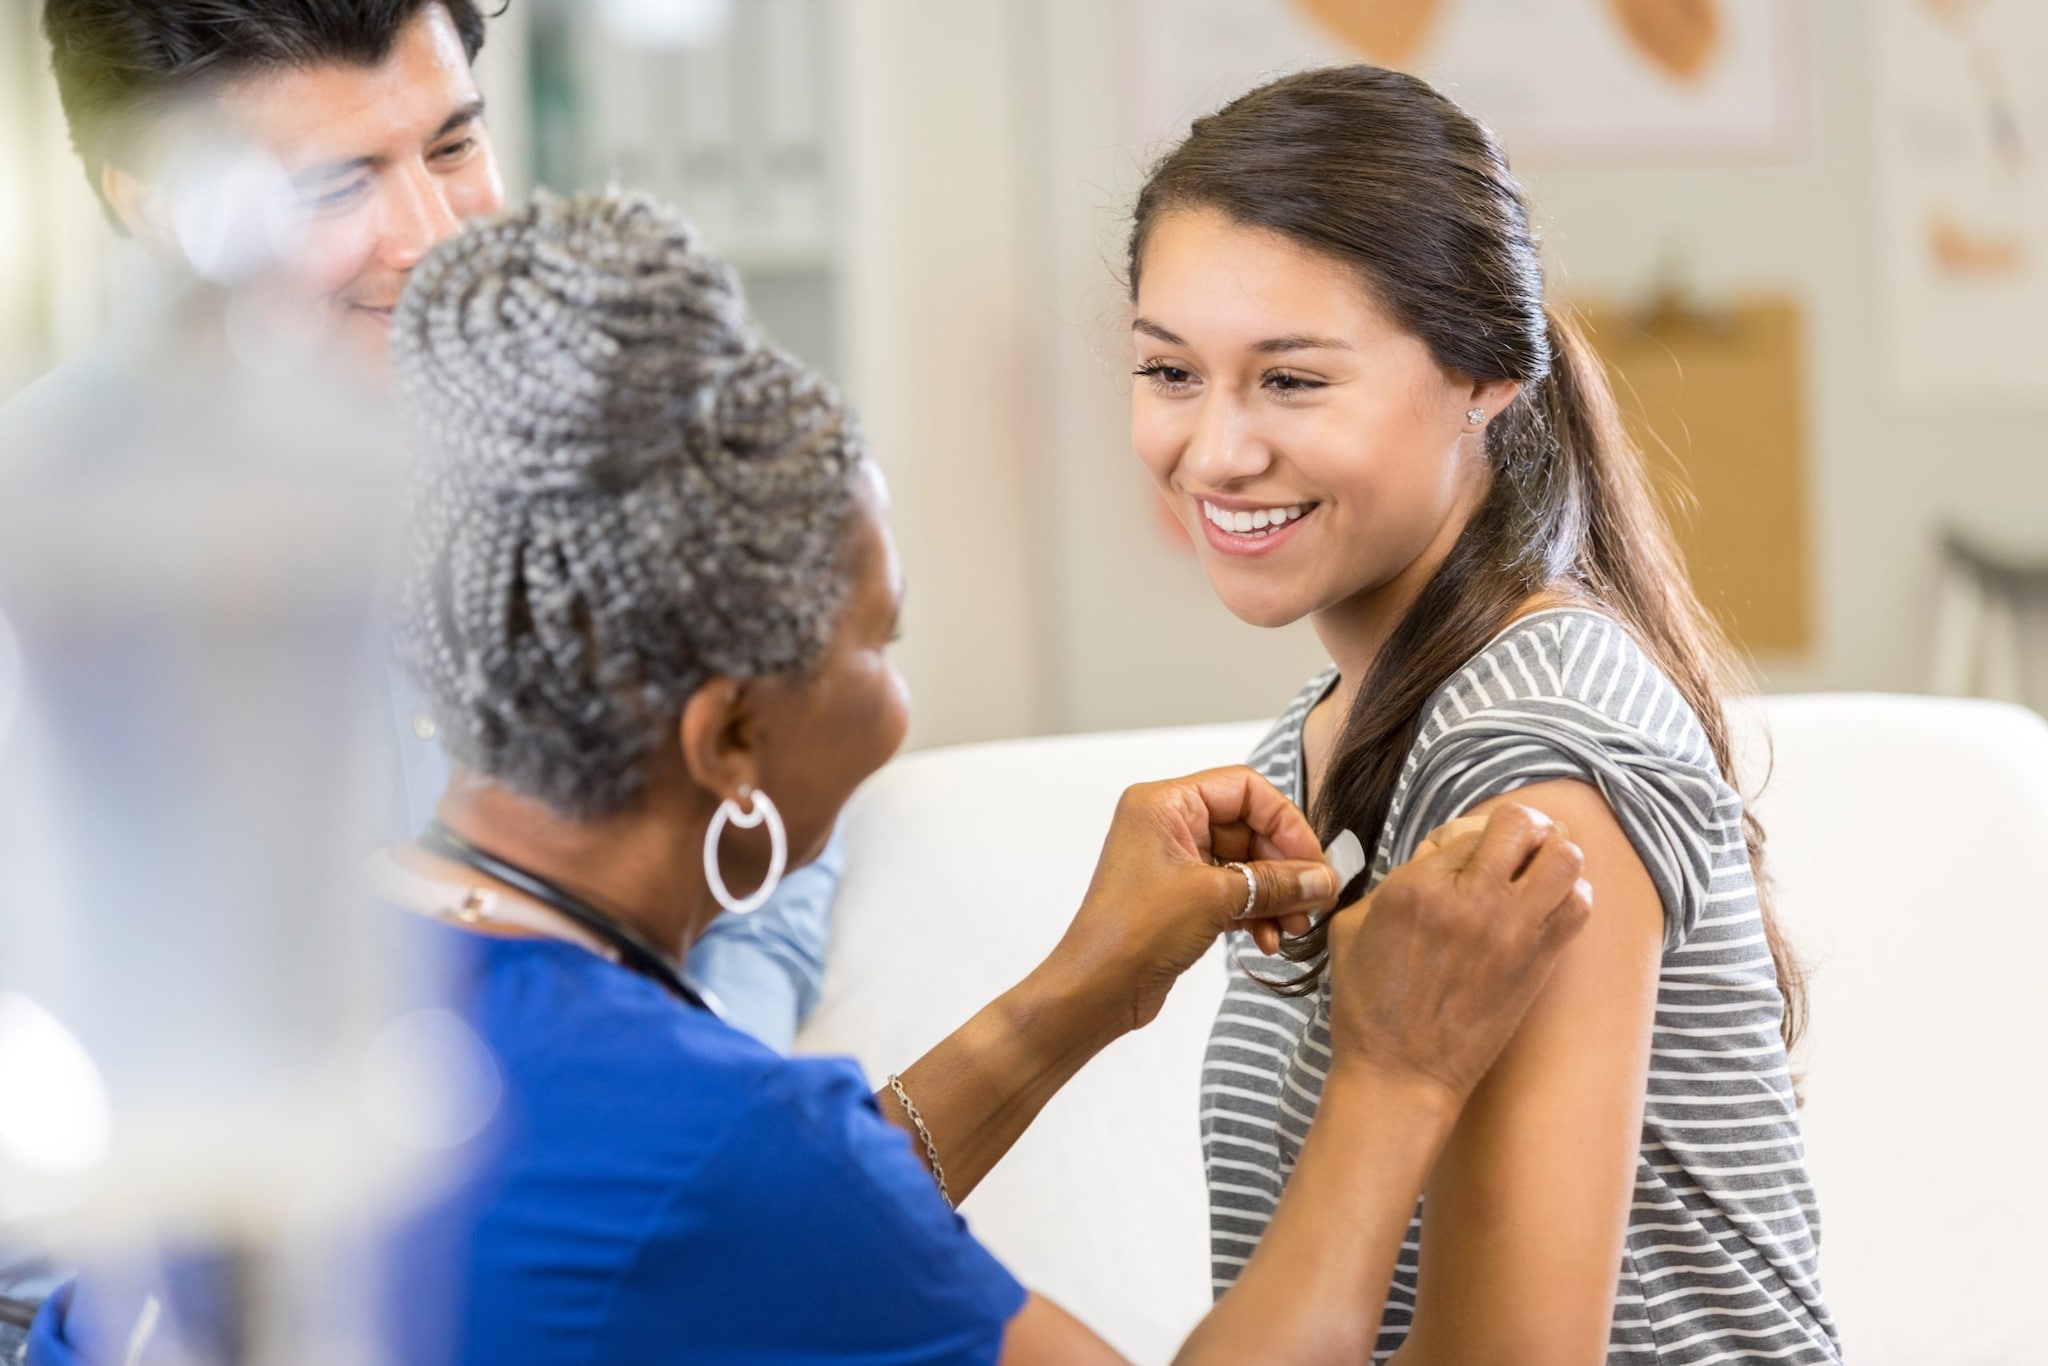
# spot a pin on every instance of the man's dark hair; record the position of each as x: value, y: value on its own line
x: 120, y: 64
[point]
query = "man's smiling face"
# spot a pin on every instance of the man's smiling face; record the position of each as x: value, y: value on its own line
x: 386, y: 162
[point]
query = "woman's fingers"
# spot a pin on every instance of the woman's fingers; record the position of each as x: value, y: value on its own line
x: 1570, y: 916
x: 1462, y: 831
x: 1268, y: 933
x: 1240, y: 797
x: 1287, y: 889
x: 1288, y: 895
x: 1438, y: 977
x: 1159, y: 897
x: 1552, y: 869
x: 1454, y: 846
x: 1239, y: 843
x: 1512, y: 837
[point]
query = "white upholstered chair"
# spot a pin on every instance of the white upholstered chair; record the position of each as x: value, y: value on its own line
x: 1909, y: 845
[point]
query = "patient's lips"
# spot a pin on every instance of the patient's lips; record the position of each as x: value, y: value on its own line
x: 1244, y: 527
x: 1246, y: 521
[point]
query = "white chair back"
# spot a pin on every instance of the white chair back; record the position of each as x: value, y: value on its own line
x: 1907, y: 842
x: 1907, y: 839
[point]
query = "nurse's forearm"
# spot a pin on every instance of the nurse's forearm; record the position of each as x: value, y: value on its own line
x: 982, y: 1086
x: 1315, y: 1288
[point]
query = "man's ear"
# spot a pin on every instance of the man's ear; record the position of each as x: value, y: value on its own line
x: 140, y: 208
x: 717, y: 732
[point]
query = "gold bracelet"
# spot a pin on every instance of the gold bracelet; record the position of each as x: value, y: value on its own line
x: 931, y: 1149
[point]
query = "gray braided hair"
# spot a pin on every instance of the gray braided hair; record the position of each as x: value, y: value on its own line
x: 627, y: 490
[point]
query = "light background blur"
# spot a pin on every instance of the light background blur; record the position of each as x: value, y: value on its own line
x: 928, y: 199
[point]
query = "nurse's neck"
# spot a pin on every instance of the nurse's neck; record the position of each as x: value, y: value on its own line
x: 642, y: 866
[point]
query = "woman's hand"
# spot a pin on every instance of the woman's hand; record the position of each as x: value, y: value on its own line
x: 1159, y: 899
x: 1432, y: 972
x: 1157, y: 903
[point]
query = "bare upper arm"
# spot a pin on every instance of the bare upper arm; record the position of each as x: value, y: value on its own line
x: 1527, y: 1207
x: 1043, y: 1334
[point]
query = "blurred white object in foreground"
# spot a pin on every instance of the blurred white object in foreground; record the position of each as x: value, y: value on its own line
x: 189, y: 560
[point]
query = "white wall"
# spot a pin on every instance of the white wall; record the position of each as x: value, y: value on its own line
x: 1884, y: 477
x: 501, y: 76
x: 986, y: 176
x: 992, y: 178
x: 943, y: 282
x: 57, y: 253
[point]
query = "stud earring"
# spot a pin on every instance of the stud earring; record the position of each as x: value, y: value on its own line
x: 1475, y: 416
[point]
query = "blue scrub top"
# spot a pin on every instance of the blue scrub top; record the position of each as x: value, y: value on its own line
x: 659, y: 1187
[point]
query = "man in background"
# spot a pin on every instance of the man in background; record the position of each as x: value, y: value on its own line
x: 368, y: 113
x: 370, y: 110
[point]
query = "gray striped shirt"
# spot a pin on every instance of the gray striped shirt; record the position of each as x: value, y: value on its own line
x: 1720, y: 1259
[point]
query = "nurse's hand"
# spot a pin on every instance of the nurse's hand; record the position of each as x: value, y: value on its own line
x: 1431, y: 974
x: 1157, y: 903
x: 1159, y: 899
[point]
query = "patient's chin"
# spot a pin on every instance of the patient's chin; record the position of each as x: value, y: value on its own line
x: 1259, y: 605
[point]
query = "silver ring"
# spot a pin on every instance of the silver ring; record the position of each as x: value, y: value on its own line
x: 1251, y: 890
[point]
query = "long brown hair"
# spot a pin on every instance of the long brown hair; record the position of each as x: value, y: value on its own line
x: 1376, y: 169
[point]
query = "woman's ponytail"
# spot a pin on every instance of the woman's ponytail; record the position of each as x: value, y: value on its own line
x: 1626, y: 551
x: 1629, y: 562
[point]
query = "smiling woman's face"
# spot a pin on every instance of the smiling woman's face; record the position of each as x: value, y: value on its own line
x: 1315, y: 450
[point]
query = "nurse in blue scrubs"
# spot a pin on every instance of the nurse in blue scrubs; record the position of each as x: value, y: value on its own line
x: 650, y: 603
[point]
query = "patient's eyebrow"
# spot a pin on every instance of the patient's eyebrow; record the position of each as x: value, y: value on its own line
x: 1271, y: 346
x: 1299, y: 341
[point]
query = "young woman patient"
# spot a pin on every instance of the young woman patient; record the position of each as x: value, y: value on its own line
x: 1351, y: 390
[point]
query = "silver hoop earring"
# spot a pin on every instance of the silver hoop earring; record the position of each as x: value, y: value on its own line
x: 760, y: 809
x: 1475, y: 416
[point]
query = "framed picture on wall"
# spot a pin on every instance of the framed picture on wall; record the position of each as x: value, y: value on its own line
x: 1960, y: 134
x: 1563, y: 82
